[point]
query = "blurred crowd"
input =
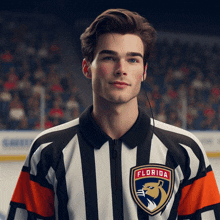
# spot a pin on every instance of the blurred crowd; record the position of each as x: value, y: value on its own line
x: 30, y: 65
x: 182, y: 86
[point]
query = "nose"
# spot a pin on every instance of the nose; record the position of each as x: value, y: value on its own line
x: 121, y: 68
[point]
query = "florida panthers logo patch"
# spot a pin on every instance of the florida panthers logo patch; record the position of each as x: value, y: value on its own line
x: 151, y: 186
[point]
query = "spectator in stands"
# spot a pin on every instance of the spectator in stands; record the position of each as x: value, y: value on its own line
x: 55, y: 84
x: 197, y: 83
x: 209, y: 112
x: 11, y: 83
x: 43, y: 53
x: 25, y: 86
x: 6, y: 59
x: 23, y: 124
x: 215, y: 91
x: 47, y: 123
x: 161, y: 116
x: 5, y: 99
x: 172, y: 117
x: 33, y: 110
x: 191, y: 95
x: 156, y: 95
x: 178, y: 78
x: 39, y: 74
x: 38, y: 88
x: 190, y: 122
x: 56, y: 111
x: 5, y: 95
x: 71, y: 109
x: 54, y: 51
x: 31, y: 50
x: 16, y: 111
x: 168, y: 80
x: 170, y: 95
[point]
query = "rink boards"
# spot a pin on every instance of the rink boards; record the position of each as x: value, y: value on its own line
x: 15, y: 145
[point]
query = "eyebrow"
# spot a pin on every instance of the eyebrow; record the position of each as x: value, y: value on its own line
x: 111, y: 52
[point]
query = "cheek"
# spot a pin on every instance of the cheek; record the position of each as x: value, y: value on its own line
x: 140, y: 77
x: 103, y: 70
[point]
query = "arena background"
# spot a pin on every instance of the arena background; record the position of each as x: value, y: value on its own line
x: 180, y: 24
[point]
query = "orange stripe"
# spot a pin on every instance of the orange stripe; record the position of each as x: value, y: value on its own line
x: 202, y: 193
x: 37, y: 199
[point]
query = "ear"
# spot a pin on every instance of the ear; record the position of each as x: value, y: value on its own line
x: 86, y: 69
x: 145, y: 73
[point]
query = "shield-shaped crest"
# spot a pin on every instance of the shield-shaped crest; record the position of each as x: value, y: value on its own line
x: 151, y: 186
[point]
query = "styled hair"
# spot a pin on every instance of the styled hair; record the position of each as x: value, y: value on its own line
x: 120, y: 21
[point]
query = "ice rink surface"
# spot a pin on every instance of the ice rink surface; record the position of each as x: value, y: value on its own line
x: 9, y: 173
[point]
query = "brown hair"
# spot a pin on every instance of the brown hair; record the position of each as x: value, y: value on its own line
x: 119, y: 21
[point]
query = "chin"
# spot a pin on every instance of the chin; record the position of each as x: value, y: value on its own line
x: 120, y: 100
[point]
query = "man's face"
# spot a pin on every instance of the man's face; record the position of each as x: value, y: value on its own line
x: 117, y: 69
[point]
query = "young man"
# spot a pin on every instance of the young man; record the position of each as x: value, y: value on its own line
x: 115, y: 162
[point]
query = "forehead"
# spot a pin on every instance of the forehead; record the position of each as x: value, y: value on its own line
x: 120, y: 43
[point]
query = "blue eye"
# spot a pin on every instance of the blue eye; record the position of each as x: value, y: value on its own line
x: 133, y: 61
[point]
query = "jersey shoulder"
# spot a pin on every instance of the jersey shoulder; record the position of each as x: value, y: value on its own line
x: 176, y: 138
x: 164, y: 127
x: 61, y: 127
x: 57, y: 136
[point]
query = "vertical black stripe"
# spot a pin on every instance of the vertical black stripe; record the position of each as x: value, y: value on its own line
x: 11, y: 214
x: 143, y: 157
x: 62, y: 191
x: 170, y: 162
x: 173, y: 212
x: 116, y: 179
x: 217, y: 211
x: 143, y: 152
x: 89, y: 179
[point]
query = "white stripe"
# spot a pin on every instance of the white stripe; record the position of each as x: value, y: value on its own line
x: 26, y: 163
x: 75, y: 189
x: 21, y: 214
x: 51, y: 178
x: 209, y: 215
x: 158, y: 151
x: 103, y: 180
x: 59, y: 127
x: 36, y: 158
x: 129, y: 157
x: 193, y: 162
x: 178, y: 179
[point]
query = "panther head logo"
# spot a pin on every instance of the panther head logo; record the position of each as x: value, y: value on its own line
x: 152, y: 186
x: 155, y: 194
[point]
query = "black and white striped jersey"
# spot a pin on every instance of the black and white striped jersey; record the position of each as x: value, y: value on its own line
x: 153, y: 172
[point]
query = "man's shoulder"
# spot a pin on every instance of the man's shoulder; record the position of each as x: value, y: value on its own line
x: 57, y: 134
x: 61, y: 127
x: 176, y: 138
x: 174, y: 131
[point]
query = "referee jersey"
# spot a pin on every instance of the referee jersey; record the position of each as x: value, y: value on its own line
x: 155, y: 171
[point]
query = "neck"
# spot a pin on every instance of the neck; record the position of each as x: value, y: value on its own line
x: 115, y: 119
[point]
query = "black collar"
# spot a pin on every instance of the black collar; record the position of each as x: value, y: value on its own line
x: 135, y: 136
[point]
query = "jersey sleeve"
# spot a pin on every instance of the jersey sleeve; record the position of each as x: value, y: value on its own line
x: 200, y: 198
x: 33, y: 197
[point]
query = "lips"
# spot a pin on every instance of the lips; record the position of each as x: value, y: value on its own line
x: 120, y: 83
